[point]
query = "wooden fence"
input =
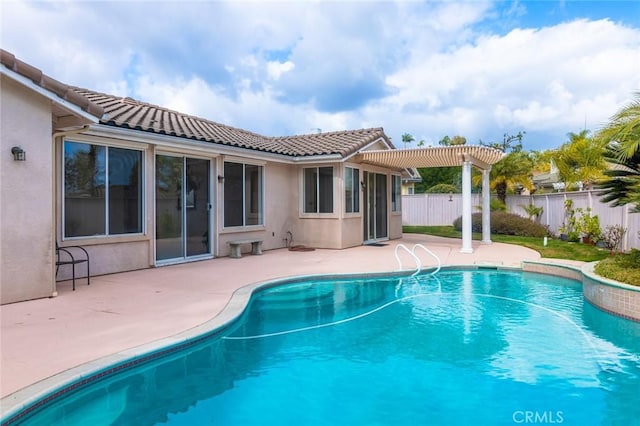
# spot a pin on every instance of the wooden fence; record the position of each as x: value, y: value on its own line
x: 443, y: 209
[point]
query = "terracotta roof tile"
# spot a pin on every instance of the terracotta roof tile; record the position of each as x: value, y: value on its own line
x: 133, y: 114
x: 129, y: 113
x: 54, y: 86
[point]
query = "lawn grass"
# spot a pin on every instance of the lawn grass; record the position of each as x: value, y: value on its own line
x: 554, y: 249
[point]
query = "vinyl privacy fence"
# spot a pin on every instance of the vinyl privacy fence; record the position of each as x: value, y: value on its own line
x: 443, y: 209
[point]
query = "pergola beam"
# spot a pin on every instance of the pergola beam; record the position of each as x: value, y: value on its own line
x: 466, y: 156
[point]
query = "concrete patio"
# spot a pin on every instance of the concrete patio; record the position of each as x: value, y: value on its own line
x: 44, y: 337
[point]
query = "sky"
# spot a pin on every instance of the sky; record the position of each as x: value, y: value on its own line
x: 477, y: 69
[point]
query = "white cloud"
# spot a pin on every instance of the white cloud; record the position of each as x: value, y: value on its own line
x: 544, y: 79
x: 275, y: 69
x: 427, y: 68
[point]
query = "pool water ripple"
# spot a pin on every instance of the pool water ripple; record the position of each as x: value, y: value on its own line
x: 463, y: 347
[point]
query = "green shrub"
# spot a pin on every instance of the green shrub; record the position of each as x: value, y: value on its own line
x: 441, y: 188
x: 506, y: 224
x: 497, y: 205
x: 621, y: 267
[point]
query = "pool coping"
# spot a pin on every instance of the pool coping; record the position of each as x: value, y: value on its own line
x: 24, y: 401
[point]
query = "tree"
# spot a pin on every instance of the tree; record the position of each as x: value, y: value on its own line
x: 541, y: 160
x: 514, y: 170
x: 432, y: 176
x: 622, y: 139
x: 580, y: 160
x: 407, y: 138
x: 509, y: 142
x: 458, y: 140
x: 510, y: 173
x: 445, y: 141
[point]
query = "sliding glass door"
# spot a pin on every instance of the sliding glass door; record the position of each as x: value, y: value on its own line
x: 183, y: 207
x: 375, y: 207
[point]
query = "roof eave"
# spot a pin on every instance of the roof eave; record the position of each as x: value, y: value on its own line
x: 31, y: 85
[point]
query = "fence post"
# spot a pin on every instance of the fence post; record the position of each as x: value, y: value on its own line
x: 625, y: 225
x: 546, y: 209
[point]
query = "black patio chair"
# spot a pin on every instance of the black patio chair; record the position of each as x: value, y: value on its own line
x: 72, y: 255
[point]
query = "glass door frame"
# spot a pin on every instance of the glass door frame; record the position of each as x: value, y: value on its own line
x: 185, y: 204
x: 371, y: 208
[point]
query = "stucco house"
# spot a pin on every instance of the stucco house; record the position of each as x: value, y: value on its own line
x: 141, y: 186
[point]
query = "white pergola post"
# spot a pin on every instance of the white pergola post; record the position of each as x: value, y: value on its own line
x: 486, y: 207
x: 466, y: 208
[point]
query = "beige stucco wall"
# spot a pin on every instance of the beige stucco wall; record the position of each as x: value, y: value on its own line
x: 352, y: 229
x: 321, y: 232
x: 31, y: 203
x: 395, y: 225
x: 280, y: 199
x: 26, y: 198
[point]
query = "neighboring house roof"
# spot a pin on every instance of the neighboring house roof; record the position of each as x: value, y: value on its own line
x: 546, y: 179
x: 411, y: 174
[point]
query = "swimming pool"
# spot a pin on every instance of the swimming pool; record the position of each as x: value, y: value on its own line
x: 462, y: 347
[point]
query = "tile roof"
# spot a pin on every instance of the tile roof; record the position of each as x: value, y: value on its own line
x: 54, y: 86
x: 133, y: 114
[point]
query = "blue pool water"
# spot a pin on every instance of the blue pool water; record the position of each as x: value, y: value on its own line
x: 464, y: 347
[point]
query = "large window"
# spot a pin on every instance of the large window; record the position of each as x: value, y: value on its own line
x: 242, y: 195
x: 102, y: 190
x: 351, y: 190
x: 396, y: 193
x: 318, y: 190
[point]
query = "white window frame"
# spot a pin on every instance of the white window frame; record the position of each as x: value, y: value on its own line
x: 244, y: 164
x: 141, y: 183
x: 396, y: 193
x: 354, y: 203
x: 318, y: 197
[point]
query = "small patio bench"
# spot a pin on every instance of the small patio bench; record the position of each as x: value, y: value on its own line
x: 236, y: 245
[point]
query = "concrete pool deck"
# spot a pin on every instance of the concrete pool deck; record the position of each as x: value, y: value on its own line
x: 44, y: 337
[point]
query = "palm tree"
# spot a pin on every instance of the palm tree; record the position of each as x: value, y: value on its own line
x: 622, y: 139
x: 580, y: 160
x: 510, y: 173
x: 407, y: 138
x: 514, y: 170
x: 624, y: 129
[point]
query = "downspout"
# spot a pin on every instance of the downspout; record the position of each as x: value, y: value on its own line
x: 54, y: 171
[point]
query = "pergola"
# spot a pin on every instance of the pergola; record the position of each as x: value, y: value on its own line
x: 466, y: 156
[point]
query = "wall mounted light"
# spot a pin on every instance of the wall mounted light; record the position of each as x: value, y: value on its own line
x: 18, y: 154
x: 450, y: 196
x: 220, y: 178
x: 363, y: 185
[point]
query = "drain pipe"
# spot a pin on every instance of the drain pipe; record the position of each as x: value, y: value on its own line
x: 54, y: 170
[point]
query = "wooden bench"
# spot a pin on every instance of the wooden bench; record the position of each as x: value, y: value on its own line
x: 256, y: 247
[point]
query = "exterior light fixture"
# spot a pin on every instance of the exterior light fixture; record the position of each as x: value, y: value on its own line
x: 450, y: 196
x: 18, y: 154
x: 363, y: 185
x: 220, y: 178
